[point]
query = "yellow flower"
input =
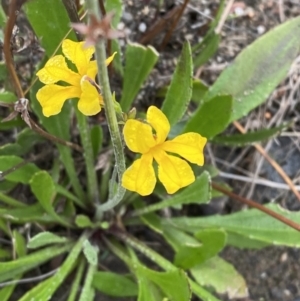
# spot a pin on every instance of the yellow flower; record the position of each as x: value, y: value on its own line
x: 173, y: 172
x: 52, y: 96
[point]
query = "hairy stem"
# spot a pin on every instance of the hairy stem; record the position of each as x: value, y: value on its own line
x: 111, y: 117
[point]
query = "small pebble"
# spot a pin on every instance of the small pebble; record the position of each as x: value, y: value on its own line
x: 284, y: 257
x: 239, y: 11
x: 127, y: 16
x: 142, y: 27
x: 263, y: 275
x: 261, y: 29
x: 121, y: 26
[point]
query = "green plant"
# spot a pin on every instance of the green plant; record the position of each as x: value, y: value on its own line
x: 81, y: 218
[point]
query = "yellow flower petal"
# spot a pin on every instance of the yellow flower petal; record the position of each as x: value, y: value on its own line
x: 110, y: 59
x: 52, y: 97
x: 56, y: 70
x: 89, y: 102
x: 138, y: 136
x: 140, y: 176
x: 189, y: 146
x: 78, y: 54
x: 159, y: 122
x: 173, y: 172
x: 92, y: 69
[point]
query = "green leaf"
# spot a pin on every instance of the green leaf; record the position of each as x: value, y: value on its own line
x: 198, y: 193
x: 43, y: 188
x: 213, y: 241
x: 6, y: 292
x: 242, y: 242
x: 5, y: 254
x: 87, y: 292
x: 114, y: 284
x: 51, y: 32
x: 11, y: 269
x: 258, y: 69
x: 148, y: 291
x: 199, y: 90
x: 203, y: 294
x: 90, y: 252
x: 180, y: 90
x: 96, y: 139
x: 83, y: 221
x: 76, y: 282
x: 117, y: 62
x: 45, y: 238
x: 44, y: 290
x: 139, y: 61
x: 250, y: 137
x: 3, y: 73
x: 212, y: 117
x: 178, y: 238
x: 222, y: 276
x: 26, y: 140
x: 6, y: 96
x: 30, y: 213
x: 2, y: 17
x: 149, y: 219
x: 19, y: 244
x: 206, y: 49
x: 20, y: 175
x: 174, y: 284
x: 251, y: 224
x: 55, y: 25
x: 117, y: 7
x: 7, y: 125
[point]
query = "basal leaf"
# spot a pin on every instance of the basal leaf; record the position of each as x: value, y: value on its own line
x: 11, y: 269
x: 44, y: 290
x: 115, y: 6
x: 174, y: 284
x: 206, y: 49
x: 8, y: 97
x: 45, y: 238
x: 55, y: 25
x: 90, y: 252
x: 251, y: 224
x: 87, y: 291
x: 19, y: 175
x: 149, y: 219
x: 213, y: 241
x: 19, y: 243
x: 114, y: 284
x: 222, y: 276
x: 148, y: 291
x: 180, y: 90
x: 212, y: 117
x: 258, y: 69
x: 198, y: 192
x: 43, y: 188
x: 250, y: 137
x: 139, y: 61
x: 199, y: 90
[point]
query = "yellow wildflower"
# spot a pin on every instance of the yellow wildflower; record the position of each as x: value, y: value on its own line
x: 173, y: 172
x: 52, y: 96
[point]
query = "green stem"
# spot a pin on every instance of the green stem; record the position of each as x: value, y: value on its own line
x: 85, y: 135
x: 110, y: 112
x: 10, y: 201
